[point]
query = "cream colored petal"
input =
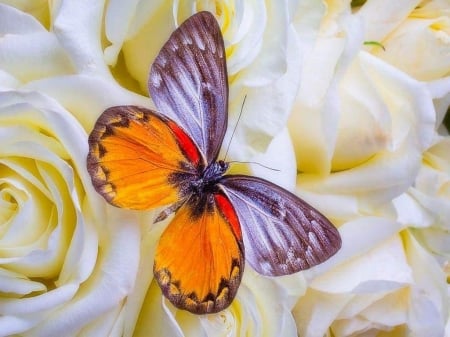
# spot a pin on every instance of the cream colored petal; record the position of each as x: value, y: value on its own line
x: 27, y: 50
x: 77, y: 26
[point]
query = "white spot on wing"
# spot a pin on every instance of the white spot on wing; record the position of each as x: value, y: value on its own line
x: 207, y: 86
x: 318, y: 230
x: 174, y: 46
x: 290, y: 254
x: 156, y: 79
x: 161, y: 59
x: 266, y: 267
x: 313, y: 241
x: 310, y: 258
x: 186, y: 39
x: 199, y: 40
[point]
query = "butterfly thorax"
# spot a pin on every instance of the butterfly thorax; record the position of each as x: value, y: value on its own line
x: 209, y: 177
x: 201, y: 190
x: 197, y: 189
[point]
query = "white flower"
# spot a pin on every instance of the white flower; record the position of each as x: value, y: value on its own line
x: 261, y: 307
x: 53, y: 225
x: 358, y: 125
x: 66, y: 262
x: 426, y: 206
x: 396, y: 288
x: 359, y: 128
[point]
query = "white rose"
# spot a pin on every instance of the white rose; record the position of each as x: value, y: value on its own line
x: 54, y: 225
x: 359, y: 128
x: 358, y: 125
x: 357, y: 133
x: 426, y: 205
x: 393, y: 288
x: 261, y: 307
x: 67, y: 262
x: 440, y: 90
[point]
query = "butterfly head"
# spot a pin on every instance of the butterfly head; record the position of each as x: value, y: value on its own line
x: 214, y: 172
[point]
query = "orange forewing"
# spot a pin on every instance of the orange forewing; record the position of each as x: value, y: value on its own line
x: 133, y: 152
x: 199, y: 259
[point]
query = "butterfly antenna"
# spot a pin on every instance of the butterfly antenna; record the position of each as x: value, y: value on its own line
x: 235, y: 127
x: 256, y: 163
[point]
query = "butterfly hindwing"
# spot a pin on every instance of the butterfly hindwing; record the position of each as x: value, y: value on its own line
x: 282, y: 234
x: 135, y: 155
x: 200, y: 259
x: 188, y: 82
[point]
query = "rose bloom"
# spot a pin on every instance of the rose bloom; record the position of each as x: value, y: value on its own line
x: 349, y: 128
x: 361, y: 128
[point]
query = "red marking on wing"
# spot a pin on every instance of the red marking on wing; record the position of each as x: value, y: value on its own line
x: 186, y: 143
x: 227, y: 210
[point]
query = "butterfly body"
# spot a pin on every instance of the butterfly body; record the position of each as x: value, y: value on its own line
x: 202, y: 183
x: 141, y: 159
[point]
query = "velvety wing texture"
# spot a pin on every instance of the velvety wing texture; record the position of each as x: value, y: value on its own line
x: 199, y: 259
x: 188, y: 82
x: 133, y: 155
x: 282, y: 233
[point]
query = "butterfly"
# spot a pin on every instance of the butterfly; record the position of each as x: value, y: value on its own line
x: 141, y: 159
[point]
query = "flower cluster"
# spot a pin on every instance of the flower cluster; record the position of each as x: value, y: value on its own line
x: 347, y: 100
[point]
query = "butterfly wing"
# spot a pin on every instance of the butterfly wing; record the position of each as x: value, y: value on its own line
x: 188, y: 82
x: 282, y: 234
x: 199, y: 259
x: 139, y: 159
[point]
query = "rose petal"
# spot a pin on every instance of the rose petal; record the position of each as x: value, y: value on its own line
x: 266, y: 109
x: 358, y: 238
x: 440, y: 92
x: 18, y: 23
x: 382, y: 16
x: 11, y: 282
x: 429, y: 297
x: 279, y: 162
x: 105, y: 289
x: 77, y: 27
x: 155, y: 318
x: 27, y: 50
x: 37, y: 8
x: 98, y: 95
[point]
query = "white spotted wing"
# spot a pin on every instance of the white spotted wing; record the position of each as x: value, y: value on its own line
x: 282, y: 234
x: 188, y: 82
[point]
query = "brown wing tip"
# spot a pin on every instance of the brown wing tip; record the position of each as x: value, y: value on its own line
x: 99, y: 179
x: 210, y: 304
x: 111, y: 118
